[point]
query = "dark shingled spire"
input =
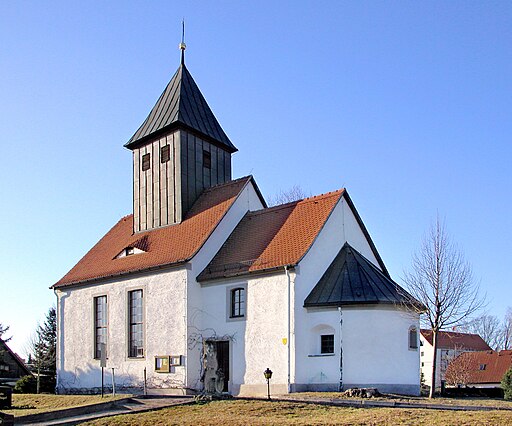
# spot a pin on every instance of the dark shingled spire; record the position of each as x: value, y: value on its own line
x: 181, y: 105
x: 351, y: 279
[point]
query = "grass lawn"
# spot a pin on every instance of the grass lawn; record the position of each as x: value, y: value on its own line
x: 24, y: 404
x: 483, y: 402
x: 240, y: 412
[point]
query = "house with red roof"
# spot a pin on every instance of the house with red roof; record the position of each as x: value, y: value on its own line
x: 483, y: 369
x: 204, y: 287
x: 450, y: 345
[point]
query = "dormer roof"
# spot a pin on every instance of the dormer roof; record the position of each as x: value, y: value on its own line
x: 181, y: 105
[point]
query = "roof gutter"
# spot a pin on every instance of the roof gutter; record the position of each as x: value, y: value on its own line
x: 242, y: 273
x: 119, y: 274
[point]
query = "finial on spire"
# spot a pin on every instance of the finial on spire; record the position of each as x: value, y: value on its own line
x: 183, y: 46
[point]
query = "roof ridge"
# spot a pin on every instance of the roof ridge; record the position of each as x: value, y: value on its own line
x: 451, y: 332
x: 230, y: 182
x: 303, y: 200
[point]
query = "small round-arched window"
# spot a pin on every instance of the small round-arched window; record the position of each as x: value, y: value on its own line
x: 413, y: 338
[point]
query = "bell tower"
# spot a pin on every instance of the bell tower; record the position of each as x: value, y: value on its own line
x: 178, y: 151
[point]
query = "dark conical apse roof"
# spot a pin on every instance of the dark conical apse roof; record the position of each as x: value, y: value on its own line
x: 351, y: 279
x: 181, y: 105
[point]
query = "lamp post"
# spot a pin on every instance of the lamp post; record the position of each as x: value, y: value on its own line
x: 268, y: 375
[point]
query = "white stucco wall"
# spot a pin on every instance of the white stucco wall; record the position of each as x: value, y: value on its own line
x: 374, y: 338
x: 256, y: 341
x: 375, y: 349
x: 199, y: 315
x: 164, y: 331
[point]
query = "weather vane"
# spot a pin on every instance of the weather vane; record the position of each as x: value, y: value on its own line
x: 183, y: 46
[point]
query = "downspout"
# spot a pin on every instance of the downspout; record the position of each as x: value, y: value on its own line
x: 185, y: 335
x: 341, y: 349
x: 287, y: 271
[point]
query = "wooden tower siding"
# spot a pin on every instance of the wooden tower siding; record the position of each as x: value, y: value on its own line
x: 194, y: 176
x: 163, y: 194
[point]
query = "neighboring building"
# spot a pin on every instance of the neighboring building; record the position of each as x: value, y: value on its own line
x: 12, y: 367
x: 450, y: 345
x: 203, y: 286
x: 483, y: 369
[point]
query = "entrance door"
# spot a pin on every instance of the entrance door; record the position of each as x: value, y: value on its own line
x: 223, y: 362
x: 216, y: 366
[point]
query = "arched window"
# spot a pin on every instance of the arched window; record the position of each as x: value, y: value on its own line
x: 413, y: 338
x: 237, y: 302
x: 322, y: 340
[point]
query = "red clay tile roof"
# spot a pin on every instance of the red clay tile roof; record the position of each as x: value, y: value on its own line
x: 496, y: 365
x: 163, y: 246
x: 452, y: 340
x: 272, y: 237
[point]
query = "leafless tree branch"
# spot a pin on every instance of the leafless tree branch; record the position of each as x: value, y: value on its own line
x: 442, y: 280
x: 292, y: 194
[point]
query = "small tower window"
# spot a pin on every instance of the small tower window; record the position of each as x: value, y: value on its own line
x: 207, y: 160
x: 146, y: 162
x: 165, y: 154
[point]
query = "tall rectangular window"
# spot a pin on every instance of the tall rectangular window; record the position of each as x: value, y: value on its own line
x: 100, y: 325
x: 135, y: 324
x: 413, y: 338
x: 237, y: 303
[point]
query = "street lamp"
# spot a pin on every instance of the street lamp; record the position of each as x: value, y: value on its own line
x: 268, y: 375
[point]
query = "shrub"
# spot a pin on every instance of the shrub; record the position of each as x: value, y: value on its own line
x: 506, y: 384
x: 27, y: 384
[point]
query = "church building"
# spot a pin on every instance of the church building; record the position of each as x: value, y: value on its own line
x: 204, y: 287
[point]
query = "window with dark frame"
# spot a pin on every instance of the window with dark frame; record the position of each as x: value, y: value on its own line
x: 135, y: 325
x: 128, y: 251
x: 146, y: 162
x: 483, y: 367
x: 100, y: 325
x: 207, y: 160
x: 165, y: 154
x: 237, y: 303
x: 413, y: 338
x: 327, y: 344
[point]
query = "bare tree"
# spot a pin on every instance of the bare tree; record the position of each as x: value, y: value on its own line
x: 4, y: 329
x: 293, y: 194
x: 442, y: 280
x: 507, y: 330
x: 488, y: 327
x: 459, y: 370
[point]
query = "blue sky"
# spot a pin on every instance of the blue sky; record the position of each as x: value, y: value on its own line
x: 407, y: 104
